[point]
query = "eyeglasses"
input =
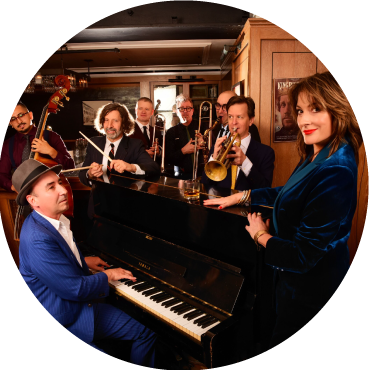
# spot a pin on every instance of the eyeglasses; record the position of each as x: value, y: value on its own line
x: 19, y: 116
x: 219, y: 106
x: 188, y: 109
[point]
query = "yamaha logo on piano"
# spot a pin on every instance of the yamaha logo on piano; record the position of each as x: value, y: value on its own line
x: 144, y: 266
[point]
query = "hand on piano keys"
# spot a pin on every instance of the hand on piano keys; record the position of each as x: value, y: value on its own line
x: 119, y: 274
x: 95, y: 263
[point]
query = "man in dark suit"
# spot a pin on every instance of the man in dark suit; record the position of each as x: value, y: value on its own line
x: 222, y: 128
x: 180, y: 146
x: 128, y: 154
x: 252, y: 163
x: 58, y: 274
x: 143, y: 130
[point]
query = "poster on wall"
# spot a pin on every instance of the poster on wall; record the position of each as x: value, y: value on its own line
x: 285, y: 127
x: 90, y: 109
x: 238, y: 88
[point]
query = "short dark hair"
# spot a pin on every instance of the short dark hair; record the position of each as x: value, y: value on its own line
x: 128, y: 123
x: 22, y: 105
x: 242, y: 100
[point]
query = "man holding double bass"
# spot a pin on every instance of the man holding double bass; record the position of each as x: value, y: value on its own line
x: 17, y: 149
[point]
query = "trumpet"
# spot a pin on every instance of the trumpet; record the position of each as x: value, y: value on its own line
x: 216, y: 170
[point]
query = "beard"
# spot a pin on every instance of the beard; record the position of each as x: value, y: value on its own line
x: 113, y: 133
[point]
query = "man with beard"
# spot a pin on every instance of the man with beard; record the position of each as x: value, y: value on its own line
x: 127, y: 154
x: 290, y: 128
x: 18, y: 148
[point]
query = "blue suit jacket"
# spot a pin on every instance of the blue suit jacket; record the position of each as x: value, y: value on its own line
x: 55, y: 277
x: 262, y: 157
x: 314, y: 217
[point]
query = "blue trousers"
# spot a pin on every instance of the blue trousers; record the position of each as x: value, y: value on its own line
x: 112, y: 323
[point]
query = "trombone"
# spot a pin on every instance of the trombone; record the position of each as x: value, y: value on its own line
x: 208, y: 138
x: 159, y: 117
x: 216, y: 170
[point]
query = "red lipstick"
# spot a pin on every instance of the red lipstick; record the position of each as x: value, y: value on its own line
x: 308, y: 132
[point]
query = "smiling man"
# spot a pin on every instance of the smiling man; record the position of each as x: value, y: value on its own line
x: 252, y: 163
x: 58, y: 274
x: 18, y: 148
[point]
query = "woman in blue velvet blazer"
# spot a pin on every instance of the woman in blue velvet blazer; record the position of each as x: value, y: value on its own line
x: 307, y: 243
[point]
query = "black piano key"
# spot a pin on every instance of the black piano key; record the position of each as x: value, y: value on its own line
x: 188, y: 309
x: 165, y: 298
x: 154, y: 297
x: 171, y: 302
x: 141, y: 287
x: 184, y: 309
x: 204, y: 320
x: 151, y: 292
x: 201, y: 319
x: 123, y: 280
x: 131, y: 283
x: 193, y: 315
x: 208, y: 323
x: 178, y: 307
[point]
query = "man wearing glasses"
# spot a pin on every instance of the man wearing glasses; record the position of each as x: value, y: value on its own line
x: 180, y: 146
x: 222, y: 128
x: 17, y: 149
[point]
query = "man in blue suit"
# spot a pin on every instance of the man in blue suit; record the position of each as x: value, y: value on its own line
x: 57, y: 273
x: 252, y: 163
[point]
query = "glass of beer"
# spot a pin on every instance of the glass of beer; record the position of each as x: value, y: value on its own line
x: 191, y: 189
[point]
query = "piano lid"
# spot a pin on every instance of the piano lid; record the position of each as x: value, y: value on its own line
x: 157, y: 207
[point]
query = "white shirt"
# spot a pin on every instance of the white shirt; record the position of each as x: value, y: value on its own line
x: 107, y: 149
x: 141, y: 126
x: 63, y: 227
x: 247, y: 164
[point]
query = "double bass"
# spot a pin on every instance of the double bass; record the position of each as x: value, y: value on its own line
x: 55, y: 101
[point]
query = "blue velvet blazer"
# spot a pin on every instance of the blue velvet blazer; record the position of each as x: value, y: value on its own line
x: 312, y: 220
x: 55, y: 277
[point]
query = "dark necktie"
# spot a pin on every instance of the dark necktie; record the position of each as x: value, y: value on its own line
x: 146, y: 136
x: 222, y: 131
x: 111, y: 155
x: 26, y: 149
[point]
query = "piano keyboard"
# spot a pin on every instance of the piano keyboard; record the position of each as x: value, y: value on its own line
x: 182, y: 315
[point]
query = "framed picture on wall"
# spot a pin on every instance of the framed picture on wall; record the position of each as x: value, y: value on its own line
x: 285, y: 127
x: 238, y: 88
x: 90, y: 109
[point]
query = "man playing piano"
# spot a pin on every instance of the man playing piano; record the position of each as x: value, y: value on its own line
x: 129, y: 154
x: 18, y: 148
x: 57, y: 273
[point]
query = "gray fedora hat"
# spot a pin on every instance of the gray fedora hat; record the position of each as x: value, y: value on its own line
x: 26, y: 174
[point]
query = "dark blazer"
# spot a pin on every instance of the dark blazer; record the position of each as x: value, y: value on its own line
x: 129, y: 150
x: 176, y: 139
x: 309, y: 252
x: 138, y: 134
x: 262, y: 157
x: 55, y: 277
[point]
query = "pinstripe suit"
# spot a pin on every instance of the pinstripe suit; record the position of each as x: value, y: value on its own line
x: 66, y: 290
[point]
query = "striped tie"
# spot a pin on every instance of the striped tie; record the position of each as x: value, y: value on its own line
x: 111, y: 155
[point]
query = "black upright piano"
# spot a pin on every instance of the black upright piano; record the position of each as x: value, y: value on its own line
x: 199, y: 273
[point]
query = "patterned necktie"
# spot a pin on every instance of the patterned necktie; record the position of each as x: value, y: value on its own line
x: 26, y: 149
x: 222, y: 131
x: 146, y: 136
x: 111, y: 155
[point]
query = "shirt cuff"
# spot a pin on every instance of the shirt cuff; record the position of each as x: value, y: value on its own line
x: 139, y: 171
x: 246, y: 166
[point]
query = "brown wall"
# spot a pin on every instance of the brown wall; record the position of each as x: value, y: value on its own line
x: 269, y: 52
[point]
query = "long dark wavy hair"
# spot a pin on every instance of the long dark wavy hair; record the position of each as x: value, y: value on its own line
x: 128, y: 122
x: 324, y: 93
